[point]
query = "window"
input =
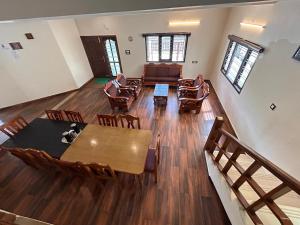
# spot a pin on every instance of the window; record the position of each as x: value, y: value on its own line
x: 239, y: 60
x: 166, y: 47
x: 113, y: 57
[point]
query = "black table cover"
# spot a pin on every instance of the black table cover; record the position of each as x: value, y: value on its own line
x: 43, y: 134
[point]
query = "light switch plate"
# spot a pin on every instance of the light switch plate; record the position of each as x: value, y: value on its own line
x: 273, y: 106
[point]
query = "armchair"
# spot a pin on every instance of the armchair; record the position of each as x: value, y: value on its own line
x: 191, y: 99
x: 193, y: 83
x: 132, y: 83
x: 120, y: 98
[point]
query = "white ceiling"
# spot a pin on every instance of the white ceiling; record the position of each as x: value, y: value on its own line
x: 26, y: 9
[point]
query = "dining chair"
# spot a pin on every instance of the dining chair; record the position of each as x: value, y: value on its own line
x: 81, y: 170
x: 107, y: 120
x: 104, y: 173
x: 67, y: 168
x: 25, y: 156
x: 12, y: 127
x: 42, y: 159
x: 153, y: 159
x: 130, y: 120
x: 54, y: 114
x: 74, y: 116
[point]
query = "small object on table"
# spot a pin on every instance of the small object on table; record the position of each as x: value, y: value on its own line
x: 67, y: 136
x: 75, y: 127
x: 161, y: 93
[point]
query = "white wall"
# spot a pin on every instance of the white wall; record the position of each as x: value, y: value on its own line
x: 38, y: 70
x: 275, y: 78
x: 68, y: 38
x: 53, y: 62
x: 201, y: 44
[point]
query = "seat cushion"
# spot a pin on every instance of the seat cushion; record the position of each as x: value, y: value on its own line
x: 151, y: 160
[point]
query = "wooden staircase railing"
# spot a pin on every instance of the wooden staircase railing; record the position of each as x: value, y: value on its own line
x: 219, y: 140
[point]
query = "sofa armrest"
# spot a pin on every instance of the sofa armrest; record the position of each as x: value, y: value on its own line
x: 190, y: 99
x: 134, y: 78
x: 188, y: 88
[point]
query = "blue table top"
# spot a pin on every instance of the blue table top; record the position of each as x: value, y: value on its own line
x: 161, y: 90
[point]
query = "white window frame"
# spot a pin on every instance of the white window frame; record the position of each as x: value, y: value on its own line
x: 171, y: 35
x: 229, y: 58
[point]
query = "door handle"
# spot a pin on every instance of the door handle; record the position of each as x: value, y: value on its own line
x: 103, y: 58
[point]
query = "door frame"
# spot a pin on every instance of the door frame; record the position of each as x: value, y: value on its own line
x: 106, y: 56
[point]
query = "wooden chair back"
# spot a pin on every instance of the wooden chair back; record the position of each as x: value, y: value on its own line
x: 14, y: 126
x: 41, y: 158
x: 158, y: 148
x: 153, y: 159
x: 107, y: 120
x: 132, y: 121
x: 25, y: 156
x: 102, y: 171
x: 54, y: 114
x: 82, y: 170
x: 74, y: 116
x: 68, y: 168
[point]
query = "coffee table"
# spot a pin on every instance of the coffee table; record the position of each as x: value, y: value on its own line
x: 161, y: 93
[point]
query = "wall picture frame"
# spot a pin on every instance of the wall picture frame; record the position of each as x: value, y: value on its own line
x: 29, y: 36
x: 297, y: 54
x: 15, y: 45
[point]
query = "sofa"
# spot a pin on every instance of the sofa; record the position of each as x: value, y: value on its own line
x: 121, y: 98
x: 162, y: 73
x: 192, y: 83
x: 133, y: 83
x: 192, y: 98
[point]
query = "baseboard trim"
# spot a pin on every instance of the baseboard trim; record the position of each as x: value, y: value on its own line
x: 50, y: 96
x: 223, y: 112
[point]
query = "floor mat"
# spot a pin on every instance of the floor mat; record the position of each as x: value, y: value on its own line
x: 102, y: 80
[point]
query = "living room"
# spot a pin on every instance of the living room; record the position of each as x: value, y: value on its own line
x: 45, y: 64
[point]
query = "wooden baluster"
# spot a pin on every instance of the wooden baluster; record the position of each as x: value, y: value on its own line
x: 214, y: 135
x: 222, y: 149
x: 232, y: 159
x: 277, y: 192
x: 250, y: 171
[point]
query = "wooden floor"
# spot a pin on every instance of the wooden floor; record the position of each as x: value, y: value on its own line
x: 183, y: 195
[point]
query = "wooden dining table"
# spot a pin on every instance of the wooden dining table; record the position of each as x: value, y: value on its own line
x: 124, y: 150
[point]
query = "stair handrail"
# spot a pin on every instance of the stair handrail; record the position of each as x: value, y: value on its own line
x: 219, y: 140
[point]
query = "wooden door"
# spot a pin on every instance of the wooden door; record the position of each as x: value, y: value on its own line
x: 96, y: 53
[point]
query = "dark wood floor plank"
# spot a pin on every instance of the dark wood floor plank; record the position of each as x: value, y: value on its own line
x: 183, y: 195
